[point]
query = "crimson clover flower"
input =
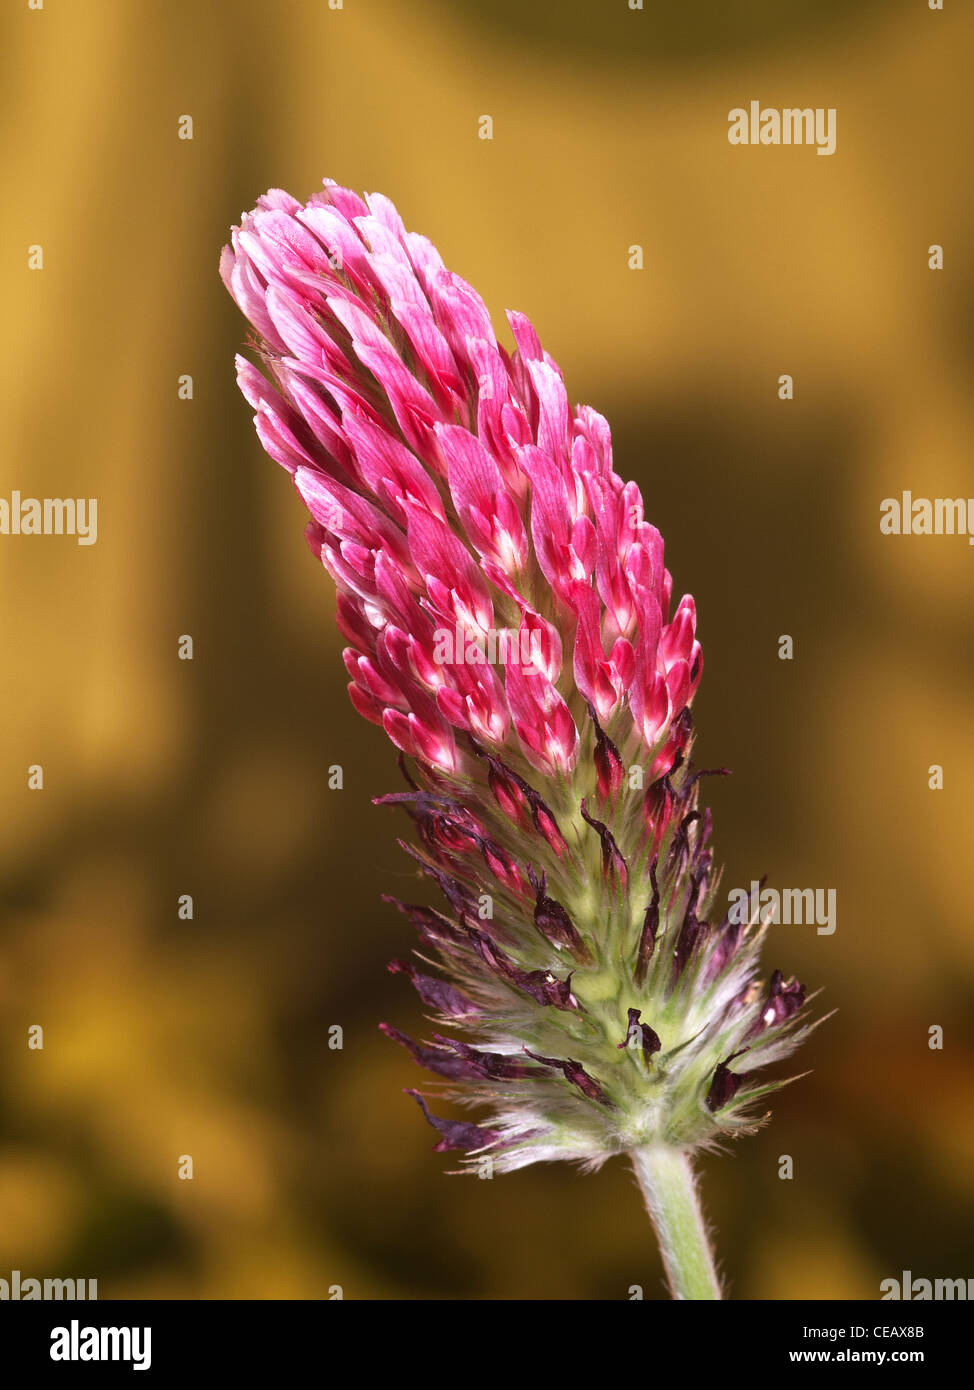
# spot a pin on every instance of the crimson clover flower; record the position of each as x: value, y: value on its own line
x: 510, y: 625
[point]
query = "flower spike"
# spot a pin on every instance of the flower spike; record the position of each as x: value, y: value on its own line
x: 510, y: 625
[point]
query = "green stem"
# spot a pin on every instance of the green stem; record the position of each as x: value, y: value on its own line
x: 666, y: 1180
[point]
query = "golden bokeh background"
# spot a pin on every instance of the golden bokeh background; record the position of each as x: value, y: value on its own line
x: 163, y: 777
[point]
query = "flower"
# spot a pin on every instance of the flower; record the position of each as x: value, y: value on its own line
x: 585, y: 996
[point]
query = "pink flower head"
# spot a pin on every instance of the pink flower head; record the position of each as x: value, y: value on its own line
x: 452, y: 487
x: 509, y: 624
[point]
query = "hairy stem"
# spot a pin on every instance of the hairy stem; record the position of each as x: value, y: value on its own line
x: 667, y: 1183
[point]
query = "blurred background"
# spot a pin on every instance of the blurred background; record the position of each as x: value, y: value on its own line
x: 163, y: 777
